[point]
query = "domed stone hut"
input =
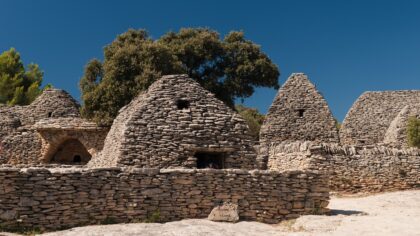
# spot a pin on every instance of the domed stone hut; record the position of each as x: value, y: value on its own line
x: 177, y: 124
x: 396, y: 135
x: 298, y: 113
x: 371, y: 115
x: 39, y: 132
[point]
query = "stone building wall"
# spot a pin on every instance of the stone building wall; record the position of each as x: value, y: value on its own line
x: 30, y: 134
x: 352, y: 169
x: 298, y: 113
x: 371, y: 115
x: 57, y: 198
x: 396, y: 135
x: 55, y: 132
x: 171, y: 123
x: 21, y: 147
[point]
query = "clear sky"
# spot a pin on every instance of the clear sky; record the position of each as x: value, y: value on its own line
x: 345, y: 47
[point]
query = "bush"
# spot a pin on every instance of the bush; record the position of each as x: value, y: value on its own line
x: 253, y: 118
x: 413, y: 132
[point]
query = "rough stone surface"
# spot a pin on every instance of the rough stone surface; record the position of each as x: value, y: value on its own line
x: 396, y: 135
x: 68, y: 197
x: 168, y: 124
x: 352, y: 169
x: 298, y: 112
x: 228, y: 212
x: 33, y: 134
x: 371, y: 115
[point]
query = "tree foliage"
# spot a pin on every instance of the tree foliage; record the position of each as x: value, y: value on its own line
x: 253, y: 118
x: 413, y: 132
x: 18, y: 85
x: 230, y: 68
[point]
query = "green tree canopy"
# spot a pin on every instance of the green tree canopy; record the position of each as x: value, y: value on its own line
x: 18, y: 85
x: 253, y: 118
x: 413, y: 132
x: 230, y: 68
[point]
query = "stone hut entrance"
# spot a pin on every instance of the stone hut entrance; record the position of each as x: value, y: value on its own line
x: 71, y: 152
x: 212, y: 160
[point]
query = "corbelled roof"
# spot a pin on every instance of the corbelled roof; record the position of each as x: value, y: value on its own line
x: 299, y: 112
x: 371, y: 115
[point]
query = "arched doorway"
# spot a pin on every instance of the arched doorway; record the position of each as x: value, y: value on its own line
x: 71, y: 152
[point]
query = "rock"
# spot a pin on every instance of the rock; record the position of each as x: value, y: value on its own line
x: 8, y: 215
x: 228, y: 212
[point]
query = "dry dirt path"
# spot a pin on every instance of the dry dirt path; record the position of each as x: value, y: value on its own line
x: 395, y: 213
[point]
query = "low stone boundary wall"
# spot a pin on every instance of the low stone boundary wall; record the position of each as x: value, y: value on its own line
x: 65, y: 197
x: 352, y: 169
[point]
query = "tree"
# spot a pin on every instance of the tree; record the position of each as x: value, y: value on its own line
x: 18, y: 85
x: 253, y: 118
x: 230, y: 68
x: 413, y: 132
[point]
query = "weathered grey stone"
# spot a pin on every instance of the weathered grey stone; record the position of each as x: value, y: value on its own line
x: 371, y: 115
x: 228, y: 212
x: 165, y: 126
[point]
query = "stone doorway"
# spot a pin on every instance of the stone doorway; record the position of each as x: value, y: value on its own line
x: 71, y: 152
x: 212, y: 160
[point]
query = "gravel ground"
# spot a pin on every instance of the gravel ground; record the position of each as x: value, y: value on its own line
x: 396, y: 213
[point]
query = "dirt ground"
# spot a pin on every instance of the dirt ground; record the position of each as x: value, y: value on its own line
x: 396, y: 213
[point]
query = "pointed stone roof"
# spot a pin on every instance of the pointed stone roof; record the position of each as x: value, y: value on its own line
x: 371, y: 115
x: 167, y: 125
x: 298, y: 112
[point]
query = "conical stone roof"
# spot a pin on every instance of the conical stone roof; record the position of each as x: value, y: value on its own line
x: 298, y: 113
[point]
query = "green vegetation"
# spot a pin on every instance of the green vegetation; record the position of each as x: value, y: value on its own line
x: 18, y: 85
x: 253, y: 118
x: 230, y: 68
x: 154, y: 217
x: 337, y: 124
x: 20, y: 230
x: 413, y: 132
x: 109, y: 221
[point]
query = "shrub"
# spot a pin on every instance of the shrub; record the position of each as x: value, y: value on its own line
x: 413, y: 132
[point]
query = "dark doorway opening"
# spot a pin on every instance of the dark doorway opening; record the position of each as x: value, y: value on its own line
x: 212, y: 160
x: 71, y: 152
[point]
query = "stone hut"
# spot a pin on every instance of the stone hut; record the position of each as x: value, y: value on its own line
x: 396, y: 135
x: 35, y: 133
x: 69, y: 140
x: 371, y: 115
x: 298, y: 113
x: 177, y: 124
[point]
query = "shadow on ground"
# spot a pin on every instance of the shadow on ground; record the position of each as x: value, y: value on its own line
x: 334, y: 212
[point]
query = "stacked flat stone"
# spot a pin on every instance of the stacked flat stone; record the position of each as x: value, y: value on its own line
x: 371, y: 115
x: 352, y: 169
x: 29, y: 134
x: 69, y: 197
x: 153, y: 131
x: 298, y: 113
x: 396, y: 135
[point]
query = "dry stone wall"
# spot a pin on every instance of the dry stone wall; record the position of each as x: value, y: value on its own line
x: 21, y: 147
x: 352, y: 169
x: 68, y: 197
x: 31, y: 134
x: 396, y: 135
x: 298, y: 112
x: 166, y: 126
x: 371, y: 115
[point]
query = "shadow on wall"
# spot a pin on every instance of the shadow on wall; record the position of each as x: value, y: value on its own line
x: 71, y: 151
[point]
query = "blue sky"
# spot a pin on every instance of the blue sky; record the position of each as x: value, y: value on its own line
x: 345, y: 47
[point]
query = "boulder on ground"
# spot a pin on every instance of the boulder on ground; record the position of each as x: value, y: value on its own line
x: 228, y: 212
